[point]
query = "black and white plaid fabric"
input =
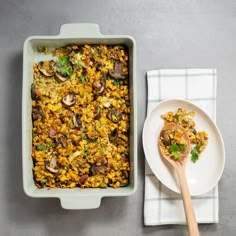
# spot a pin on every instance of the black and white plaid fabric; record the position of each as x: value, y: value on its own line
x: 161, y: 205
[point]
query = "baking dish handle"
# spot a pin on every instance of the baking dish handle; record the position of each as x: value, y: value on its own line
x: 80, y: 30
x: 77, y: 203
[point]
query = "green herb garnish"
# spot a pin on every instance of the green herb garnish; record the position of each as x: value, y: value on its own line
x: 175, y: 149
x: 41, y: 147
x: 82, y: 78
x: 101, y: 151
x: 195, y: 153
x: 99, y: 109
x: 80, y: 64
x: 63, y: 60
x: 66, y: 71
x: 175, y: 154
x: 116, y: 82
x: 95, y: 52
x: 86, y: 151
x: 64, y: 66
x: 43, y: 181
x: 182, y: 148
x: 176, y: 117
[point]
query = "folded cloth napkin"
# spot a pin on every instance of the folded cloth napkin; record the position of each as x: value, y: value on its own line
x: 161, y: 205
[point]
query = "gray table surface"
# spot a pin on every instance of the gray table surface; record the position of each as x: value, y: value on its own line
x: 169, y: 34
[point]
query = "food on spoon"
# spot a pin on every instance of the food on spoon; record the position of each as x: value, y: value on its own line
x: 198, y: 139
x: 173, y: 142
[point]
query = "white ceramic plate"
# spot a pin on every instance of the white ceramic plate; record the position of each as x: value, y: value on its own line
x: 203, y: 175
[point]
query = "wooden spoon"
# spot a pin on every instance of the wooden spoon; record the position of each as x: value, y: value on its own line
x: 179, y: 166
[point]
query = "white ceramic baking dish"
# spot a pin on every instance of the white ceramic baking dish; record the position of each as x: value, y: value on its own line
x: 79, y: 34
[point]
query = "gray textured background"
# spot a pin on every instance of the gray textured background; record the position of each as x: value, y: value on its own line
x: 169, y: 34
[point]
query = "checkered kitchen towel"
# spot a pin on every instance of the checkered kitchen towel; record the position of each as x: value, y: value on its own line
x: 161, y: 205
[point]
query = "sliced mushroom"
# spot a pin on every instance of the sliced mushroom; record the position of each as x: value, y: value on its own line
x: 92, y: 136
x: 37, y: 113
x: 113, y: 135
x: 76, y: 120
x: 98, y: 114
x: 114, y: 115
x: 52, y: 165
x: 82, y: 179
x: 165, y: 138
x: 46, y: 68
x: 101, y: 161
x: 62, y: 141
x: 193, y: 131
x: 61, y: 78
x: 98, y: 87
x: 52, y: 133
x: 69, y: 100
x: 99, y: 168
x: 116, y: 72
x: 35, y: 93
x: 39, y: 185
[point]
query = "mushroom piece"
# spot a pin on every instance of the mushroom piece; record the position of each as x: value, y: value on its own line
x: 113, y: 135
x: 98, y: 114
x: 61, y: 78
x: 35, y: 93
x: 38, y: 185
x: 46, y: 68
x: 165, y: 138
x: 98, y: 87
x: 76, y: 120
x: 52, y: 133
x: 114, y: 115
x: 98, y: 169
x: 69, y: 100
x: 92, y: 136
x: 82, y: 179
x: 62, y: 141
x: 193, y: 130
x: 37, y: 113
x: 116, y: 72
x: 100, y: 166
x: 52, y: 165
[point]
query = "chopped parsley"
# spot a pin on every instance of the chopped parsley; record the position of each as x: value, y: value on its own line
x: 63, y: 60
x: 95, y: 52
x: 99, y: 109
x: 66, y: 71
x: 82, y: 78
x: 116, y: 82
x: 182, y: 148
x: 43, y: 181
x: 86, y: 151
x: 101, y: 151
x: 195, y: 153
x: 64, y: 66
x: 41, y: 147
x: 175, y: 149
x: 80, y: 64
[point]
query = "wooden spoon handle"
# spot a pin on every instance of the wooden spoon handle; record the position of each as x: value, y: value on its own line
x: 188, y: 207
